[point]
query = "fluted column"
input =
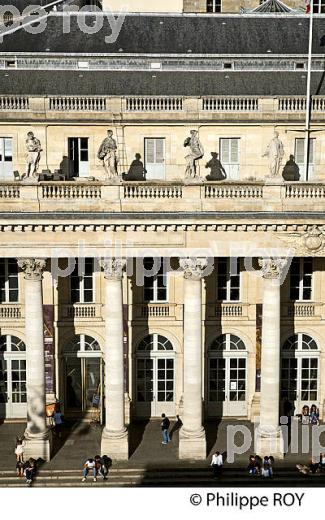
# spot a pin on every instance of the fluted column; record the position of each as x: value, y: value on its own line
x: 269, y: 434
x: 115, y: 436
x: 192, y: 442
x: 37, y: 433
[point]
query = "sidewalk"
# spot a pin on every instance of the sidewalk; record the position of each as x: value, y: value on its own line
x: 82, y: 440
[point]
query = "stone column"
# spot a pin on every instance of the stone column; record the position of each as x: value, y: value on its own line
x: 268, y: 436
x: 115, y: 435
x: 37, y: 433
x: 192, y: 442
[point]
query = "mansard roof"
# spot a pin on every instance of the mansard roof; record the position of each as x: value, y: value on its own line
x: 176, y: 34
x: 125, y: 83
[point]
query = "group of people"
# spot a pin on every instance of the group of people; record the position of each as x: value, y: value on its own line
x: 98, y: 466
x: 316, y: 465
x: 259, y: 466
x: 24, y: 468
x: 309, y: 415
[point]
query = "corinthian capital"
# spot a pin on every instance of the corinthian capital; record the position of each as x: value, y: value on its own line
x: 272, y: 268
x: 32, y: 267
x: 113, y: 268
x: 193, y: 267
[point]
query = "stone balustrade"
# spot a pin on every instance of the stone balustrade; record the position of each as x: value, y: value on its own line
x: 80, y: 311
x: 77, y: 103
x: 146, y: 311
x: 154, y: 104
x: 96, y: 196
x: 285, y: 107
x: 231, y: 104
x: 10, y: 311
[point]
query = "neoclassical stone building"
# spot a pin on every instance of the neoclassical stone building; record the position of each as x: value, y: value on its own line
x: 136, y: 287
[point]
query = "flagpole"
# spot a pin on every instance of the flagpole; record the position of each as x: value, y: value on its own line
x: 308, y: 97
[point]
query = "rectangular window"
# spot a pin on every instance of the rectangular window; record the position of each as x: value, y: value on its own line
x: 229, y: 157
x: 82, y: 282
x: 6, y: 172
x: 9, y: 290
x: 300, y: 157
x: 155, y: 286
x: 154, y: 152
x: 228, y: 279
x: 214, y: 6
x: 78, y: 156
x: 319, y: 6
x: 301, y: 273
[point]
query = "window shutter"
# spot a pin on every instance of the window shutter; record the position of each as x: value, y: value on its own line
x: 224, y: 151
x: 150, y: 151
x: 160, y: 150
x: 299, y: 155
x: 234, y: 151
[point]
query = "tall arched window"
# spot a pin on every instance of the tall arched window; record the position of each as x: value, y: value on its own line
x: 155, y: 376
x: 300, y: 371
x: 227, y: 376
x: 83, y: 369
x: 13, y: 395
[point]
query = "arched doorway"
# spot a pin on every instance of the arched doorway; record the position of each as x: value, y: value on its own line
x: 155, y: 377
x: 13, y: 395
x: 83, y: 376
x: 300, y: 371
x: 227, y: 377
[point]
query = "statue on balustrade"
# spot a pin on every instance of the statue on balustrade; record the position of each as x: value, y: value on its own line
x: 108, y: 154
x: 196, y: 152
x: 33, y: 155
x: 275, y: 153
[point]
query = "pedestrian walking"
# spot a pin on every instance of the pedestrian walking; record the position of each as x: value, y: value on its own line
x: 89, y: 465
x: 217, y: 463
x: 165, y: 423
x: 58, y: 421
x: 19, y: 450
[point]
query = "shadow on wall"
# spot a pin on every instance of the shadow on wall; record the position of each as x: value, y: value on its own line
x: 291, y: 170
x: 137, y: 171
x: 217, y: 171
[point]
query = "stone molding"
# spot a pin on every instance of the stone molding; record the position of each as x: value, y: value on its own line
x: 193, y: 268
x: 113, y: 268
x: 33, y: 268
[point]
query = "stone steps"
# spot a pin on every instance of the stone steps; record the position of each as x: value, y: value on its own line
x: 134, y: 477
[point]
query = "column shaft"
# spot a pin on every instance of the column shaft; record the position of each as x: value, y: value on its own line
x: 270, y: 359
x: 35, y: 374
x: 192, y: 414
x: 114, y: 363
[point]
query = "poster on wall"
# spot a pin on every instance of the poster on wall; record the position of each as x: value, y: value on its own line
x: 48, y: 320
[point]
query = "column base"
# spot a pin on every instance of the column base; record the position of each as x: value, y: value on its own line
x: 37, y: 446
x: 269, y: 442
x: 192, y: 445
x: 115, y: 445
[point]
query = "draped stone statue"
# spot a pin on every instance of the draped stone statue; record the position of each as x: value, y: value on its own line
x: 275, y: 153
x: 108, y: 154
x: 33, y: 155
x: 196, y: 152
